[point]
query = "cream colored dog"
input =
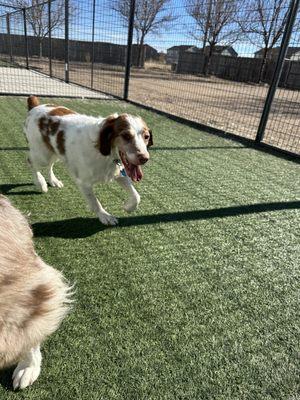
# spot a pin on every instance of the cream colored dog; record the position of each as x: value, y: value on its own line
x: 33, y: 298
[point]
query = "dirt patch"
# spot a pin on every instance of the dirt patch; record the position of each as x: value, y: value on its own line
x: 232, y: 106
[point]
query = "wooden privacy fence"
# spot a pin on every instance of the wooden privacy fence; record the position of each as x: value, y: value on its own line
x: 239, y: 69
x: 79, y: 50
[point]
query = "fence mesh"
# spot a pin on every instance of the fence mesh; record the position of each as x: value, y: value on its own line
x: 12, y: 39
x: 283, y: 127
x: 219, y: 82
x: 209, y: 61
x: 57, y: 51
x: 28, y: 61
x: 97, y: 47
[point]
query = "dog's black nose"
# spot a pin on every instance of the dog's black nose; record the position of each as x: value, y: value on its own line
x: 143, y: 158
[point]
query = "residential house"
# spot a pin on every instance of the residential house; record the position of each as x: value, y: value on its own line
x: 293, y: 53
x: 222, y: 51
x: 173, y: 52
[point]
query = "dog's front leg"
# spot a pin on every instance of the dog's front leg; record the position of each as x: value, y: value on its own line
x: 95, y: 205
x: 134, y: 198
x: 28, y: 369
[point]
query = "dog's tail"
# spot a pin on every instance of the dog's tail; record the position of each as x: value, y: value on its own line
x: 32, y: 102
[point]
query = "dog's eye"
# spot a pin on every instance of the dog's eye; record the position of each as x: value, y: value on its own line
x: 147, y: 136
x: 126, y: 136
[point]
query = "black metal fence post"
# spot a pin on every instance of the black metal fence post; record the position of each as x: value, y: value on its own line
x: 294, y: 5
x: 67, y: 41
x: 129, y: 48
x: 50, y: 37
x: 93, y: 45
x: 9, y: 37
x: 26, y: 38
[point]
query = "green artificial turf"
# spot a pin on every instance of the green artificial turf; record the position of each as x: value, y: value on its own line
x: 194, y: 296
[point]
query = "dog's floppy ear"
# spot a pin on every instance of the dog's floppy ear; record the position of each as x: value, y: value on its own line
x: 150, y: 143
x: 107, y: 133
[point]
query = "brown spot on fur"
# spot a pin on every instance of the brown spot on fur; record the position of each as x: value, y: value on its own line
x: 43, y: 123
x: 112, y: 127
x: 60, y: 140
x: 60, y: 111
x: 48, y: 127
x: 7, y: 280
x: 37, y: 302
x: 122, y: 123
x: 41, y: 294
x: 43, y: 127
x: 32, y: 102
x: 53, y: 127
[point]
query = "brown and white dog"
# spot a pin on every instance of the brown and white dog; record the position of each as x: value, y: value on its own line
x: 93, y: 149
x: 33, y: 298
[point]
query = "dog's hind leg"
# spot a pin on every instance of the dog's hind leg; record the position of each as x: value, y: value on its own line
x: 38, y: 179
x: 95, y: 205
x: 53, y: 181
x: 134, y: 198
x: 28, y: 369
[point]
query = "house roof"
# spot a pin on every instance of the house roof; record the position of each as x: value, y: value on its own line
x: 180, y: 47
x: 217, y: 49
x: 275, y: 51
x: 220, y: 49
x: 147, y: 46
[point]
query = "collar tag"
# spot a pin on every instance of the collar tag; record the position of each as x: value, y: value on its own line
x: 120, y: 165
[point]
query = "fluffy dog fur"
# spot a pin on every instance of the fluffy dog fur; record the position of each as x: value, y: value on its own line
x: 33, y: 298
x: 93, y: 149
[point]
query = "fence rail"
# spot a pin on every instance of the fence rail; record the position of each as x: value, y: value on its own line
x: 232, y: 83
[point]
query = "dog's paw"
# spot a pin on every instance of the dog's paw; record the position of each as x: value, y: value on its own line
x: 132, y: 204
x: 56, y: 183
x: 107, y: 219
x: 25, y: 375
x: 40, y: 183
x: 42, y: 187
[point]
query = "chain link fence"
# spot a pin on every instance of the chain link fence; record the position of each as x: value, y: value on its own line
x: 230, y: 65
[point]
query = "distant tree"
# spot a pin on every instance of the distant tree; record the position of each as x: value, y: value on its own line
x: 263, y: 24
x: 150, y: 16
x: 37, y: 16
x: 215, y: 24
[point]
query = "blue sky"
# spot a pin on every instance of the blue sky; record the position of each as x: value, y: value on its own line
x: 109, y: 27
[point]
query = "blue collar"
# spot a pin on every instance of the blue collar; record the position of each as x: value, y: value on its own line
x: 118, y: 162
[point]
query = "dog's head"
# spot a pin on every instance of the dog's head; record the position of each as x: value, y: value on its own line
x: 131, y: 136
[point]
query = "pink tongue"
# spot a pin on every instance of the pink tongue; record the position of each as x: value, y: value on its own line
x: 135, y: 172
x: 138, y: 173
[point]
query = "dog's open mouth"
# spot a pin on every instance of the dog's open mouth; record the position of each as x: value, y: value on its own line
x: 133, y: 171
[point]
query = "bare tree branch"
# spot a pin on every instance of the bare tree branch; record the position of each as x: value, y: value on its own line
x: 150, y: 16
x: 263, y: 25
x: 215, y: 22
x: 37, y: 16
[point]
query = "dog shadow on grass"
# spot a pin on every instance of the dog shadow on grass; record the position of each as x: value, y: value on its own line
x: 9, y: 189
x: 14, y: 148
x: 6, y: 378
x: 184, y: 148
x: 83, y: 227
